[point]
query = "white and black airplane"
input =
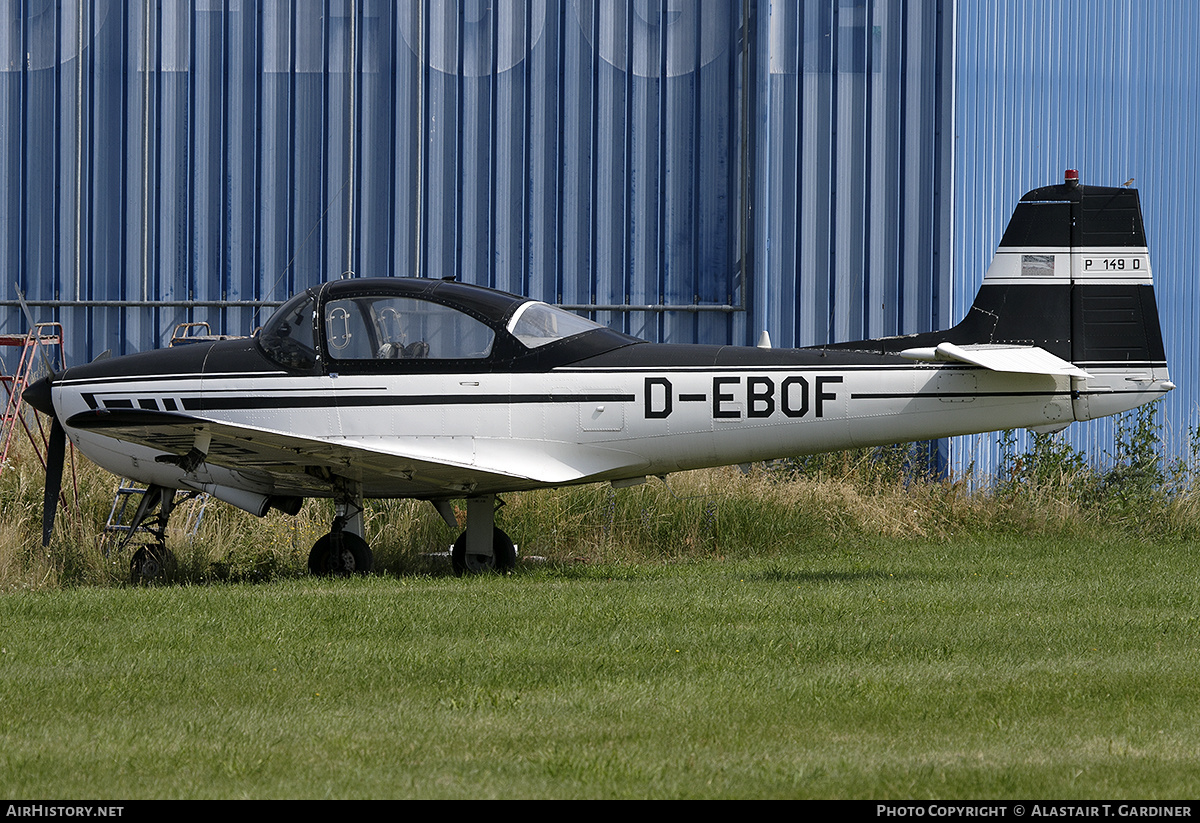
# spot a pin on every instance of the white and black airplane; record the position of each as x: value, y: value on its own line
x: 437, y: 390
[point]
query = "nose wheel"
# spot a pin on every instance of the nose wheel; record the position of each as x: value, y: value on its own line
x: 151, y: 564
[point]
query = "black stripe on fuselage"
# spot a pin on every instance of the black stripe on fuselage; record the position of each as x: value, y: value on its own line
x: 233, y: 402
x: 127, y: 416
x: 956, y: 395
x: 369, y: 401
x: 112, y: 395
x: 974, y: 395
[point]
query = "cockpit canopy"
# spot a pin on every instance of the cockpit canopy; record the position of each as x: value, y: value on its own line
x: 390, y: 319
x: 287, y: 337
x: 393, y: 327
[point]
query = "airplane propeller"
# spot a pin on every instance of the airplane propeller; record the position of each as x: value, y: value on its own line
x: 38, y: 396
x: 55, y: 457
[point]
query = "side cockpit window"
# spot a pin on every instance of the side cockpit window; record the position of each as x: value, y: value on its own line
x: 402, y: 328
x: 287, y: 337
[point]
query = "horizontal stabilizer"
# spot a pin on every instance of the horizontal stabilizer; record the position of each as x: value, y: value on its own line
x: 1017, y: 359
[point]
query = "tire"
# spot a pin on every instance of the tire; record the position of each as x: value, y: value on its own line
x: 502, y: 561
x: 355, y: 556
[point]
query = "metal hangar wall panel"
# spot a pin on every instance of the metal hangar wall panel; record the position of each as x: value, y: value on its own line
x: 853, y: 170
x: 1108, y: 88
x: 685, y: 170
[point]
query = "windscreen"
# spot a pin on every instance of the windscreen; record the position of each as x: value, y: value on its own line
x: 287, y: 337
x: 536, y: 324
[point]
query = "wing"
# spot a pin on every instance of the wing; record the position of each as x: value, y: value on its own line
x: 420, y: 467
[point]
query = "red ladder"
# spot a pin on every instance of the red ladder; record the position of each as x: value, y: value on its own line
x: 41, y: 350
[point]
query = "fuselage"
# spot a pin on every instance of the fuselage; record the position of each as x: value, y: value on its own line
x: 636, y: 409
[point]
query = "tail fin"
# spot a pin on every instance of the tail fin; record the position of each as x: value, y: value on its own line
x: 1072, y: 276
x: 1072, y: 279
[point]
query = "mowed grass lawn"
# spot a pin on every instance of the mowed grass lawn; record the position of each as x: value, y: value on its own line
x: 1010, y: 667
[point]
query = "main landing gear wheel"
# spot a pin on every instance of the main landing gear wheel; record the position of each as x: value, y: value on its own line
x: 353, y: 557
x: 503, y: 559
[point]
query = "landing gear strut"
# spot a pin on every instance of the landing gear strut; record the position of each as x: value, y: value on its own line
x: 151, y: 562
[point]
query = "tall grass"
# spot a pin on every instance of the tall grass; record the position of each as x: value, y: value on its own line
x: 871, y: 494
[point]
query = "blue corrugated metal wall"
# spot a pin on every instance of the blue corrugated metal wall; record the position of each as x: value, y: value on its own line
x: 1110, y: 88
x: 705, y: 168
x: 854, y: 166
x: 708, y: 169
